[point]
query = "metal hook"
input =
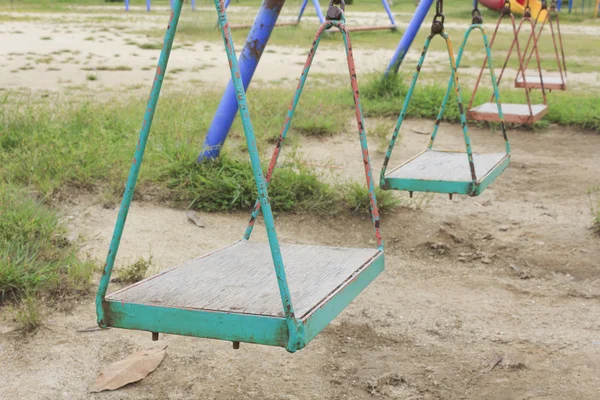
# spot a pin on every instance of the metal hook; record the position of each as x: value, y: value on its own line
x: 335, y: 13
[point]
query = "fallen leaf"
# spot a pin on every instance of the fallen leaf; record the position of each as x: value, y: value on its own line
x: 132, y: 368
x: 195, y: 218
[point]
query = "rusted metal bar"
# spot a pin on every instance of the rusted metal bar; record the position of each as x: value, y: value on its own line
x: 359, y: 119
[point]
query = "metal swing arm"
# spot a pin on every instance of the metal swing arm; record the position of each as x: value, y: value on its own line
x: 295, y: 329
x: 515, y: 43
x: 136, y: 164
x: 437, y: 28
x: 340, y: 25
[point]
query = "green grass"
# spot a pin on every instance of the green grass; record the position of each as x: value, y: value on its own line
x: 134, y: 272
x: 35, y: 256
x: 227, y: 184
x: 356, y: 197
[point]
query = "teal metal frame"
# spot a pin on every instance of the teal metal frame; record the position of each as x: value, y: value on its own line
x: 476, y: 185
x: 291, y: 332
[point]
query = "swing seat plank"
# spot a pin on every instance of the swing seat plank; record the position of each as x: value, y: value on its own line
x: 534, y: 82
x: 232, y: 294
x: 447, y: 172
x: 513, y: 113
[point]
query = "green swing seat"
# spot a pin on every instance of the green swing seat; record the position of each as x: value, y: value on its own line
x: 244, y: 292
x: 447, y: 171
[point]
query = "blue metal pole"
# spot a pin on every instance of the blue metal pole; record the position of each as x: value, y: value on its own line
x: 558, y: 4
x: 126, y: 5
x: 318, y: 10
x: 147, y: 5
x: 193, y: 5
x: 227, y: 3
x: 248, y: 61
x: 570, y: 6
x: 302, y: 7
x: 389, y: 11
x: 409, y: 35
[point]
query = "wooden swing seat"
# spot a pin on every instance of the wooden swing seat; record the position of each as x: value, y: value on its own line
x: 534, y: 82
x: 513, y: 113
x: 232, y: 293
x: 442, y: 171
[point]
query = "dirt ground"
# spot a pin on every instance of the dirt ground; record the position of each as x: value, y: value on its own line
x: 494, y: 297
x: 59, y: 51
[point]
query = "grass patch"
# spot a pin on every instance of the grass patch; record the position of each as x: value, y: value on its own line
x: 117, y: 68
x: 35, y: 256
x: 134, y: 272
x: 91, y: 77
x: 356, y: 197
x: 227, y: 184
x: 150, y: 46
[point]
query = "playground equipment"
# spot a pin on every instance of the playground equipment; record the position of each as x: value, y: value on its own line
x: 583, y: 6
x: 148, y: 5
x: 241, y: 293
x: 392, y: 26
x: 447, y: 171
x: 515, y: 113
x: 516, y: 6
x: 550, y: 82
x: 255, y: 44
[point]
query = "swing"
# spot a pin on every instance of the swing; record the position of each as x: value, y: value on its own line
x: 446, y: 171
x: 241, y: 293
x: 514, y: 113
x: 551, y: 82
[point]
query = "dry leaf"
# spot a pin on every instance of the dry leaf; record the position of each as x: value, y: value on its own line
x: 133, y: 368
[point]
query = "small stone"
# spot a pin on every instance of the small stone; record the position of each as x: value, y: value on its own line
x: 503, y: 228
x: 486, y: 260
x: 539, y: 242
x: 4, y: 329
x: 195, y: 218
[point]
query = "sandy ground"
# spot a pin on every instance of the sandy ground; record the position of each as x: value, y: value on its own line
x: 495, y: 297
x: 60, y: 51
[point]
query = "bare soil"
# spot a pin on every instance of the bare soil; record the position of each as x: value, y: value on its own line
x: 494, y: 297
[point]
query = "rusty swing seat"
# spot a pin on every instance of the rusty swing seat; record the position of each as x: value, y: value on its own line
x: 517, y: 113
x: 546, y: 81
x: 245, y: 292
